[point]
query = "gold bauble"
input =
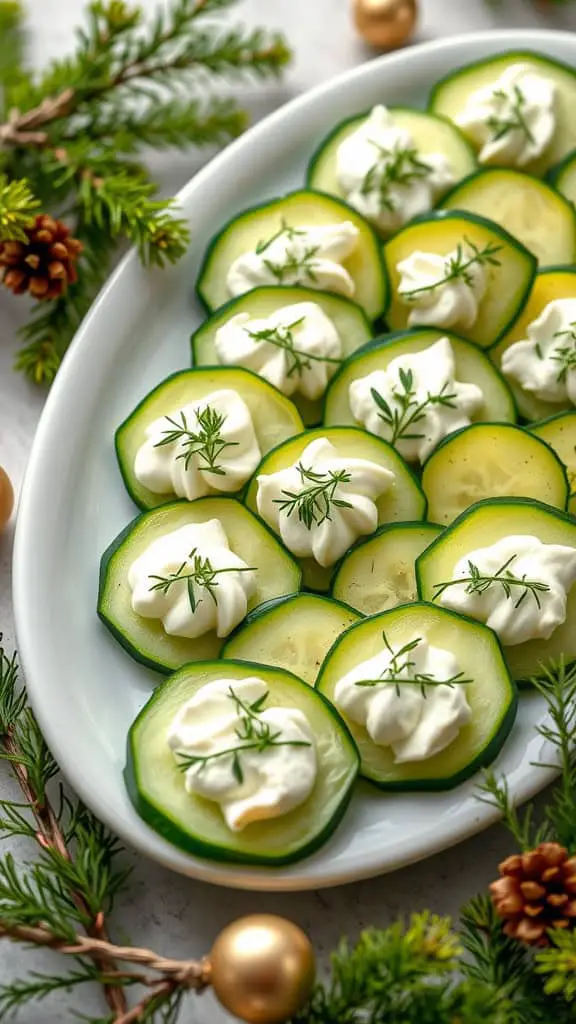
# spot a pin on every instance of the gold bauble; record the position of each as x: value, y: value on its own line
x: 385, y: 24
x: 6, y: 498
x: 262, y: 968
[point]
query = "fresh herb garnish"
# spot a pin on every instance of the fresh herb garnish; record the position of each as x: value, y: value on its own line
x: 202, y: 575
x: 409, y: 410
x: 457, y: 267
x: 205, y: 441
x: 516, y: 121
x: 565, y: 355
x: 253, y: 734
x: 393, y: 167
x: 314, y: 504
x: 478, y: 583
x: 284, y: 229
x: 294, y: 263
x: 392, y: 672
x: 283, y: 338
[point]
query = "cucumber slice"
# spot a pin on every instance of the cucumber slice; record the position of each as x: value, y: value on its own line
x: 442, y: 232
x: 430, y: 134
x: 450, y: 95
x: 491, y: 460
x: 273, y: 415
x: 379, y: 574
x: 484, y: 524
x: 350, y: 320
x: 560, y: 433
x: 563, y: 177
x: 472, y: 366
x: 303, y: 208
x: 295, y: 634
x: 145, y: 639
x: 555, y: 283
x: 531, y: 211
x: 404, y: 500
x: 492, y: 695
x: 156, y: 787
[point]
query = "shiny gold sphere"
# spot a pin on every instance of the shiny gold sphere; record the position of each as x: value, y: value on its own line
x: 6, y: 498
x: 385, y: 24
x: 262, y: 968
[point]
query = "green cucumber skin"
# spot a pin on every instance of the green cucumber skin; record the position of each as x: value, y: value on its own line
x: 275, y: 201
x: 276, y: 602
x: 114, y: 546
x: 552, y: 176
x: 485, y: 757
x: 513, y: 55
x: 409, y: 524
x: 199, y: 847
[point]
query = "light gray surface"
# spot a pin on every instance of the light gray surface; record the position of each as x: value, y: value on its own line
x: 175, y: 915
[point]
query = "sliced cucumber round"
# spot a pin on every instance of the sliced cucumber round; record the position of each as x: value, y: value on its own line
x: 529, y: 209
x: 484, y: 524
x: 404, y: 500
x: 555, y: 283
x: 472, y: 366
x: 431, y: 134
x: 491, y: 694
x: 299, y: 209
x: 442, y: 233
x: 294, y: 633
x: 277, y: 574
x: 156, y: 785
x: 451, y: 94
x: 349, y: 319
x: 491, y: 460
x: 380, y: 573
x: 563, y: 177
x: 274, y: 417
x: 560, y: 433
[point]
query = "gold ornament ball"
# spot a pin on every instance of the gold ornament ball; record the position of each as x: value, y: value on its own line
x: 385, y: 24
x: 262, y: 968
x: 6, y: 498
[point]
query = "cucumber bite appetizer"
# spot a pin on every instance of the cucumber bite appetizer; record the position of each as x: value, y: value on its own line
x: 201, y: 432
x: 457, y: 271
x: 425, y: 693
x: 538, y: 355
x: 517, y: 109
x: 511, y: 565
x: 180, y: 578
x: 305, y: 238
x: 325, y: 489
x: 560, y: 433
x: 391, y: 165
x: 563, y: 177
x: 414, y: 388
x: 240, y: 762
x: 294, y: 338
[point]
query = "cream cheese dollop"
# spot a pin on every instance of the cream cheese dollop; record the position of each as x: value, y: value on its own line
x: 512, y: 120
x: 383, y: 175
x: 297, y: 348
x: 251, y: 784
x: 436, y: 297
x: 517, y: 586
x: 323, y: 503
x: 310, y: 255
x: 544, y: 363
x: 423, y: 401
x: 206, y: 446
x: 192, y: 582
x: 415, y: 720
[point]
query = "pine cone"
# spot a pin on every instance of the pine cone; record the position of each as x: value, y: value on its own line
x: 45, y: 264
x: 536, y: 892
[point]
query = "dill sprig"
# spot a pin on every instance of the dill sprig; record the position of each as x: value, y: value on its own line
x: 282, y: 337
x: 301, y: 264
x: 315, y: 503
x: 284, y: 229
x: 565, y: 355
x: 478, y: 583
x: 202, y: 575
x: 515, y: 121
x: 253, y: 733
x: 393, y: 671
x: 457, y: 267
x: 205, y: 442
x: 408, y: 410
x: 393, y: 167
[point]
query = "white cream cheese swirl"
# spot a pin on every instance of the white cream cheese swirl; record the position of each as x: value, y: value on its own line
x: 544, y: 363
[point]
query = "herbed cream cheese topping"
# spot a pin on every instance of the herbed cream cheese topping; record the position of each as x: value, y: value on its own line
x: 446, y: 291
x: 544, y: 363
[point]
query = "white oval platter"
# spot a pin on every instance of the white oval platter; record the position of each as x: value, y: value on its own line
x: 84, y: 690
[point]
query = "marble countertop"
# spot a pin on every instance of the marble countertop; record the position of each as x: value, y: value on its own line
x: 176, y: 916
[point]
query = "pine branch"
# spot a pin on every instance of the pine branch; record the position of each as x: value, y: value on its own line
x: 183, y: 124
x: 17, y: 204
x: 11, y: 45
x: 37, y: 986
x: 557, y: 965
x: 557, y: 684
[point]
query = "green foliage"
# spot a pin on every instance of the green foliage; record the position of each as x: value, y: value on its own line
x: 17, y: 206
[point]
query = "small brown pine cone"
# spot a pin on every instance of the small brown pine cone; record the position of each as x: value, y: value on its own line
x: 45, y: 264
x: 536, y: 892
